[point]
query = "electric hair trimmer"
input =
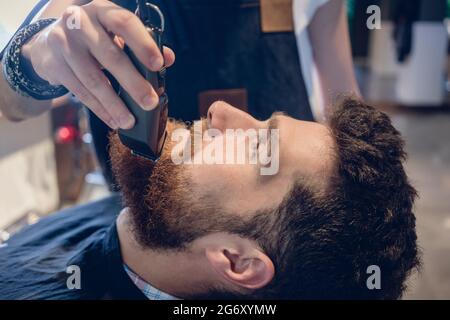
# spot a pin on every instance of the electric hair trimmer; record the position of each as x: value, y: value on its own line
x: 147, y: 137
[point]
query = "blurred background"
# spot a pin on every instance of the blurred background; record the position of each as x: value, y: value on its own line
x: 403, y: 68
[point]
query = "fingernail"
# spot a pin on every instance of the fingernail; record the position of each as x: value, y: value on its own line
x: 149, y: 102
x: 157, y: 63
x: 126, y: 121
x: 113, y: 124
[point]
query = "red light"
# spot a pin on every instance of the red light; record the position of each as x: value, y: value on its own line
x: 66, y: 134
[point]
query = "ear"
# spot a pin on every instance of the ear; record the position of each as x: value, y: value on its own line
x: 245, y: 267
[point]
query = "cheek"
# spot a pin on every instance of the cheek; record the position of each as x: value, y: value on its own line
x: 226, y: 185
x: 221, y: 178
x: 235, y: 189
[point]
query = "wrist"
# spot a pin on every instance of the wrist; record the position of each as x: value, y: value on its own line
x: 26, y: 63
x: 18, y: 69
x: 27, y: 47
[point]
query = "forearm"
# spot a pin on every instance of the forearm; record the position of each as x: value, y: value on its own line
x: 332, y: 52
x: 15, y: 106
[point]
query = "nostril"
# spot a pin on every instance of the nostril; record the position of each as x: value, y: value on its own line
x: 209, y: 117
x: 209, y: 120
x: 211, y: 111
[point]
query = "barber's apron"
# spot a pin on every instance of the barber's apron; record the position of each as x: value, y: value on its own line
x: 222, y: 53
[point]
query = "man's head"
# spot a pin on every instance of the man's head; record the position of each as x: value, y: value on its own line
x: 339, y: 203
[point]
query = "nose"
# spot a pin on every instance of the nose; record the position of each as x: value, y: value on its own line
x: 222, y: 116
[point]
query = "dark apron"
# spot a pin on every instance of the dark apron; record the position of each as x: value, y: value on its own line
x: 219, y: 45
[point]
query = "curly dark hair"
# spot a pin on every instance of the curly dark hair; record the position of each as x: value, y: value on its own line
x: 322, y: 244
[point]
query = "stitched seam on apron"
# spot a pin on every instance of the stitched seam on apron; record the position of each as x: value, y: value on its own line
x: 250, y: 5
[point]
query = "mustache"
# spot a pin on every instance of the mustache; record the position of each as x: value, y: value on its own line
x: 173, y: 125
x: 122, y: 156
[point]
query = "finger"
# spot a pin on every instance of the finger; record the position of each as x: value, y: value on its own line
x: 71, y: 82
x: 129, y: 27
x: 114, y: 59
x: 119, y: 42
x: 169, y: 56
x: 87, y: 70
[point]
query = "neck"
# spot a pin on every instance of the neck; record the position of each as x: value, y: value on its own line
x: 178, y: 273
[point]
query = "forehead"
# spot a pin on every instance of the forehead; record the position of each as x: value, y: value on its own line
x: 306, y: 148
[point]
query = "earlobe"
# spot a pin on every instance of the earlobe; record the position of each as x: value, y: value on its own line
x: 249, y: 271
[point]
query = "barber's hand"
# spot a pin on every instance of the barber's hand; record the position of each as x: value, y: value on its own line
x: 75, y: 57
